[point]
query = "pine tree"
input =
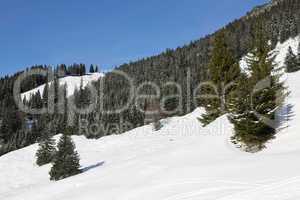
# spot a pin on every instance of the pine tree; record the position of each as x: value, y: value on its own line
x: 291, y: 61
x: 223, y: 71
x: 298, y: 56
x: 66, y: 161
x: 45, y: 94
x: 257, y: 97
x: 46, y: 152
x: 92, y: 70
x: 62, y: 106
x: 82, y: 70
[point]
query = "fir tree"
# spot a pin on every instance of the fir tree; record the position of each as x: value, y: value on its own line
x: 298, y: 56
x: 66, y: 161
x: 82, y: 70
x: 45, y: 94
x: 291, y: 61
x: 298, y: 50
x: 223, y: 71
x: 258, y: 97
x: 92, y: 70
x: 46, y: 152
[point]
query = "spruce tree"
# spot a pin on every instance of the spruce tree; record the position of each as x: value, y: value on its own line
x: 257, y: 97
x: 66, y: 161
x: 298, y: 56
x: 92, y: 70
x: 46, y: 152
x: 45, y: 94
x: 223, y: 71
x: 298, y: 50
x: 291, y: 61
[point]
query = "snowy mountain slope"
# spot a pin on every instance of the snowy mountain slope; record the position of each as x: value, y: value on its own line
x: 72, y: 82
x: 281, y: 50
x: 182, y: 161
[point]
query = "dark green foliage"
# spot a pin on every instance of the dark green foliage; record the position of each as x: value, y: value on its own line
x: 291, y: 62
x: 76, y: 69
x: 223, y: 71
x: 257, y: 97
x: 19, y: 129
x: 12, y: 122
x: 46, y: 152
x: 282, y: 21
x: 250, y: 133
x: 298, y: 54
x: 66, y: 160
x: 92, y: 69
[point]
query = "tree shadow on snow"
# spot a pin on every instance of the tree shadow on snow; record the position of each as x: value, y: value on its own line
x: 85, y: 169
x: 284, y: 115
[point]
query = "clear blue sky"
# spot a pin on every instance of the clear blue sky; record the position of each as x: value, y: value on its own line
x: 105, y: 32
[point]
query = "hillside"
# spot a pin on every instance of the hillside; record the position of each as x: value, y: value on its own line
x: 181, y: 161
x: 72, y: 82
x: 188, y: 63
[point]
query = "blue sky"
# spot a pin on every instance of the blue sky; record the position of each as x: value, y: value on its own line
x: 105, y: 32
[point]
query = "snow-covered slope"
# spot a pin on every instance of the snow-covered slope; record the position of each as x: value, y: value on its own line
x: 182, y: 161
x: 281, y: 50
x: 72, y: 83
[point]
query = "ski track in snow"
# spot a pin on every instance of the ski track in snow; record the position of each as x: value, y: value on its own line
x: 182, y: 161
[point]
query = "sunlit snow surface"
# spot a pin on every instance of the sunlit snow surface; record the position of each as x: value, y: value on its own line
x: 182, y: 161
x: 280, y: 50
x: 72, y: 82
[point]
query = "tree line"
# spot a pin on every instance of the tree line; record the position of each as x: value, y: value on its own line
x: 17, y: 130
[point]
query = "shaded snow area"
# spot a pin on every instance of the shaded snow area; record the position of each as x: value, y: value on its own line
x: 72, y: 83
x: 182, y: 161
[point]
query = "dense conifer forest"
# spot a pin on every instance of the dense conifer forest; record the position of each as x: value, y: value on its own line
x: 281, y: 20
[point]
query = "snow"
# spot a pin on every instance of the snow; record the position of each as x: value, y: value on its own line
x: 182, y: 161
x: 281, y: 50
x: 72, y: 83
